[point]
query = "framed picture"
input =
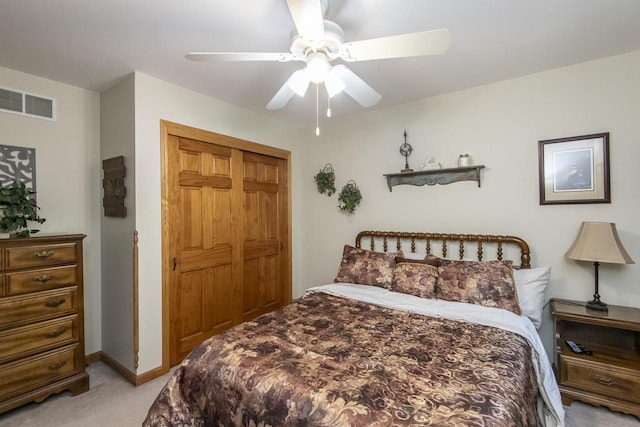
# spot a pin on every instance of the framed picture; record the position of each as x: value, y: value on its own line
x: 574, y: 170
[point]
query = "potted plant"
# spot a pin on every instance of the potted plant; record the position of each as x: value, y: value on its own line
x: 325, y: 180
x: 349, y: 197
x: 18, y: 210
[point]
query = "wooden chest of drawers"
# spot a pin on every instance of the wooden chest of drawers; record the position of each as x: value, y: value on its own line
x: 41, y: 318
x: 611, y: 375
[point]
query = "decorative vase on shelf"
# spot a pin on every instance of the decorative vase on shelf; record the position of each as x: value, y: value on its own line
x: 464, y: 160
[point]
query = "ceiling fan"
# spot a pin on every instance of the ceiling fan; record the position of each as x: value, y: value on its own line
x: 318, y: 42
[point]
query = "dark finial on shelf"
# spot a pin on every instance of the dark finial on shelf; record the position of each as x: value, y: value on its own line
x: 405, y: 150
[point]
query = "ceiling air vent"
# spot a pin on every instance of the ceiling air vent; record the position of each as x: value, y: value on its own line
x: 26, y: 104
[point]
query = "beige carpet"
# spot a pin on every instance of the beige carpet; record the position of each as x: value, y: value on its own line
x: 112, y: 401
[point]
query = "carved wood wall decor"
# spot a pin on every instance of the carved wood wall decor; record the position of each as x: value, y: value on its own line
x: 113, y: 186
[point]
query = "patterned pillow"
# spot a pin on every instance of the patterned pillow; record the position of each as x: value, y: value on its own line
x: 415, y: 278
x: 366, y: 267
x: 419, y: 258
x: 488, y: 283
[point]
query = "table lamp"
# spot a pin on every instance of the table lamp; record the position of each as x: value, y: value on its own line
x: 598, y: 242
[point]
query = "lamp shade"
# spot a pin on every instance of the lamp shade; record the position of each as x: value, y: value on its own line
x: 599, y: 242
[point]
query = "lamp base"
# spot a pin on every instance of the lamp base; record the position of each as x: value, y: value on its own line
x: 597, y: 305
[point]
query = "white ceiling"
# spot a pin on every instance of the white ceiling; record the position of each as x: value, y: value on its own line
x: 94, y: 43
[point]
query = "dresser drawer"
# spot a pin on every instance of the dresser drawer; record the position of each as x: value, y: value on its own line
x: 18, y: 310
x: 607, y: 380
x: 41, y: 336
x: 36, y: 371
x: 40, y: 255
x: 40, y: 280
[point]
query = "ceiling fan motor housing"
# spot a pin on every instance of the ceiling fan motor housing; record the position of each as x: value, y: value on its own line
x: 330, y: 45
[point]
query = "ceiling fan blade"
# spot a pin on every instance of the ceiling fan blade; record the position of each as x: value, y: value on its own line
x: 307, y: 17
x: 298, y: 83
x: 281, y: 98
x: 239, y: 56
x: 432, y: 42
x: 355, y: 87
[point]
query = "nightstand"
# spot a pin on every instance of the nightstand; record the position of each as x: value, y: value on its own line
x: 611, y: 375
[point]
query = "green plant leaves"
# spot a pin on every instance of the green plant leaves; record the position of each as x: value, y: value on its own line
x: 325, y: 180
x: 18, y: 209
x: 349, y: 197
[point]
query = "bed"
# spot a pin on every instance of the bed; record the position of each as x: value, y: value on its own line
x: 402, y: 337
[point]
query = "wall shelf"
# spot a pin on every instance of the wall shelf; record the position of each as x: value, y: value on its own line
x: 435, y: 176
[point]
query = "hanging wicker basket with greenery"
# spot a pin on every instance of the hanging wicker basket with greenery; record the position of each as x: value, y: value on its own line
x: 326, y: 180
x: 349, y: 197
x: 18, y: 209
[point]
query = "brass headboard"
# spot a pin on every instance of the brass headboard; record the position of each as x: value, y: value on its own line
x: 417, y: 241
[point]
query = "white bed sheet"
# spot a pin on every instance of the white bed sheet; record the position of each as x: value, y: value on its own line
x: 552, y: 413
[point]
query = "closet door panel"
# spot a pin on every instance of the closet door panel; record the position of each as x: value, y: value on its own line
x: 262, y: 288
x: 202, y: 266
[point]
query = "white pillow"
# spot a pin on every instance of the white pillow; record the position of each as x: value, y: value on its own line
x: 531, y: 284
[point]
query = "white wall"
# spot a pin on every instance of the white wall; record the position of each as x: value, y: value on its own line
x: 117, y: 138
x: 500, y: 126
x: 158, y: 100
x: 67, y: 173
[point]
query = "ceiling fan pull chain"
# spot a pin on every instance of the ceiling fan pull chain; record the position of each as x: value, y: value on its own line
x: 317, y: 113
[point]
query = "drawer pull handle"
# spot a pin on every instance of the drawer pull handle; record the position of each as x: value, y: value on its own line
x: 42, y: 254
x: 44, y: 278
x: 605, y: 380
x: 57, y: 365
x: 56, y: 333
x: 54, y: 303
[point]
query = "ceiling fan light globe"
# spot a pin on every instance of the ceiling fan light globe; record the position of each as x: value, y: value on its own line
x: 317, y: 67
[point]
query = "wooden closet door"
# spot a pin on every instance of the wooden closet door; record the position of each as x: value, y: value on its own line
x: 264, y: 221
x: 226, y: 244
x: 202, y: 224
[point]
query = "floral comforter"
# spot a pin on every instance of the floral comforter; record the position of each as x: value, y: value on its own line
x: 331, y: 361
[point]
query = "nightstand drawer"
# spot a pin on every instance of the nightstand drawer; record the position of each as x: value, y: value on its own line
x: 40, y: 280
x: 606, y: 380
x: 41, y: 336
x: 36, y: 256
x: 31, y: 373
x: 18, y: 310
